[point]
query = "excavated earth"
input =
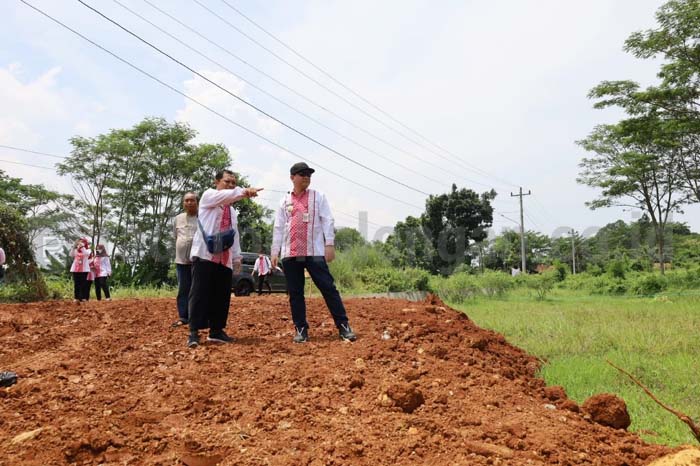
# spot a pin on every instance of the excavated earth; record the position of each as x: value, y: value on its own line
x: 112, y: 383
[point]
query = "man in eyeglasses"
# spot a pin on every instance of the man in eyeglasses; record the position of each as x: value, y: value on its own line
x: 303, y: 237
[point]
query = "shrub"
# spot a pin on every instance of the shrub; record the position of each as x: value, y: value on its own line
x: 493, y: 283
x: 607, y: 285
x: 457, y: 288
x: 560, y: 270
x: 542, y: 283
x: 648, y: 284
x: 617, y: 268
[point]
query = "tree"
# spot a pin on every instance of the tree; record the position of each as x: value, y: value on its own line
x: 42, y: 207
x: 676, y: 99
x: 409, y: 246
x: 22, y: 269
x: 130, y: 183
x: 451, y: 221
x: 636, y: 165
x: 346, y: 238
x: 504, y: 251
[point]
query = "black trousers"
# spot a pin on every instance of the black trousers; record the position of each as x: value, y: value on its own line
x: 263, y: 279
x: 210, y: 295
x: 322, y: 278
x: 101, y: 285
x: 81, y: 286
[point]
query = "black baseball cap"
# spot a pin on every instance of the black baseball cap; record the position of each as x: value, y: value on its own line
x: 300, y: 167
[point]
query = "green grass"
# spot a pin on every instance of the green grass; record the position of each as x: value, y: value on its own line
x: 655, y: 339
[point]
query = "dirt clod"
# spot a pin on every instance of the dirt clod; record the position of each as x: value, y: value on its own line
x: 608, y: 410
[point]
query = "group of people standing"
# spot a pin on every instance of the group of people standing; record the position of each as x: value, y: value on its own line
x: 208, y: 253
x: 90, y: 266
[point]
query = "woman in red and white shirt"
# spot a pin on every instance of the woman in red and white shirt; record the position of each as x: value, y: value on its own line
x: 102, y: 269
x: 80, y: 269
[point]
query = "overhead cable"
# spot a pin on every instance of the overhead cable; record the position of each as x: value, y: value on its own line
x: 244, y: 101
x: 192, y: 99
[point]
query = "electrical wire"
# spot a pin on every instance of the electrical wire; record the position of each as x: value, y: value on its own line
x: 27, y: 164
x: 302, y: 96
x: 276, y: 99
x: 244, y: 101
x: 344, y: 86
x: 32, y: 151
x: 192, y: 99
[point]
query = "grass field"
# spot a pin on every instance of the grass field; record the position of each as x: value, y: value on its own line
x: 655, y: 339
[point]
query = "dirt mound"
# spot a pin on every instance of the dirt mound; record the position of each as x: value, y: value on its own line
x: 111, y: 383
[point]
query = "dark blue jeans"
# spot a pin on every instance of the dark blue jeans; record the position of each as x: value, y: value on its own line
x: 184, y: 282
x: 318, y: 270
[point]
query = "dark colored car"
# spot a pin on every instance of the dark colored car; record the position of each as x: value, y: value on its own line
x: 246, y: 283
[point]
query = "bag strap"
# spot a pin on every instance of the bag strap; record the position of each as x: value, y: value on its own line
x: 201, y: 228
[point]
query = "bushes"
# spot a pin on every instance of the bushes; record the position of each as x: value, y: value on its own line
x: 363, y: 268
x: 494, y: 284
x: 456, y: 288
x: 648, y: 284
x: 460, y: 287
x: 542, y: 283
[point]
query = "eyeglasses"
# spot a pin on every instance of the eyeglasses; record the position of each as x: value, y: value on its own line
x: 305, y: 174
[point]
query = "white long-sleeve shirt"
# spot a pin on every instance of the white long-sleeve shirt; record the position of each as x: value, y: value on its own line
x: 211, y: 208
x: 319, y: 225
x: 104, y: 267
x: 262, y: 266
x: 81, y: 260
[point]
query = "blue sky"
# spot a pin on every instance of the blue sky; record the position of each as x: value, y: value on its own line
x: 501, y: 85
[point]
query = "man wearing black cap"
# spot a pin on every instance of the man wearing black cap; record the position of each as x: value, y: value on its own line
x: 303, y: 236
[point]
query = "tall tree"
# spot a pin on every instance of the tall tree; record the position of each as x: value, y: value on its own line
x: 636, y: 165
x: 130, y: 183
x: 676, y: 99
x: 452, y: 222
x: 43, y: 208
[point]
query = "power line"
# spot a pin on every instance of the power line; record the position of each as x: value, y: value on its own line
x: 302, y: 96
x: 177, y: 91
x: 344, y: 86
x: 323, y: 86
x: 27, y: 164
x: 32, y: 151
x: 236, y: 96
x: 270, y: 95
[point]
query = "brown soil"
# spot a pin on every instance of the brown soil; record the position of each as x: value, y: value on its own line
x: 111, y: 383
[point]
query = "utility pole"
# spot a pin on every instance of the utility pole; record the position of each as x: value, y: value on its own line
x: 573, y: 252
x: 522, y: 228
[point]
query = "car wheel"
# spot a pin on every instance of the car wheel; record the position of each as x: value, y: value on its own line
x: 243, y: 288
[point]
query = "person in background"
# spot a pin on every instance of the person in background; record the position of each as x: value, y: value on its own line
x: 210, y: 293
x: 103, y: 270
x: 263, y: 267
x: 184, y: 228
x: 303, y: 236
x: 2, y: 264
x: 80, y: 269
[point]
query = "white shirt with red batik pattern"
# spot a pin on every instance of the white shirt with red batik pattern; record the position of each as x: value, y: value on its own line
x: 211, y: 214
x: 303, y: 226
x: 262, y: 266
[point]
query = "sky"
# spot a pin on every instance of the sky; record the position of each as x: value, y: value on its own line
x: 480, y: 94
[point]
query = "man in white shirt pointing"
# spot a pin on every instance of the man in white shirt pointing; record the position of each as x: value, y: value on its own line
x: 303, y: 236
x: 210, y: 292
